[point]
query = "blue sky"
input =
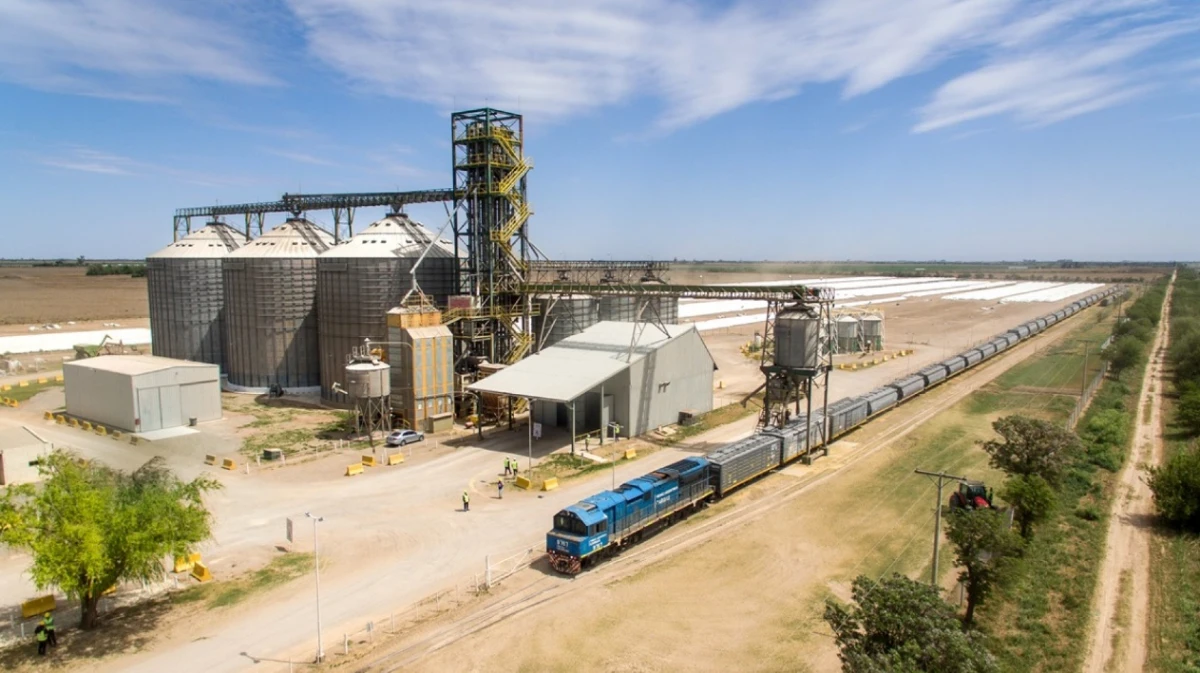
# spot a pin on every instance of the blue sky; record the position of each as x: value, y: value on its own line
x: 817, y: 130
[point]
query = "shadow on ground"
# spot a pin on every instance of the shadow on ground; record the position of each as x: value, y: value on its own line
x: 122, y: 631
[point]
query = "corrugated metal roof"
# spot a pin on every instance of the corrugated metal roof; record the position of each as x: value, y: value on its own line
x: 394, y: 236
x: 577, y: 364
x: 215, y: 239
x: 293, y: 238
x: 133, y: 364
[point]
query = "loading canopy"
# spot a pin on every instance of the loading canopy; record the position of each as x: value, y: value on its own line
x: 555, y: 374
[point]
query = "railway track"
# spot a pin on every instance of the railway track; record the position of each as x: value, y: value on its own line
x: 546, y: 587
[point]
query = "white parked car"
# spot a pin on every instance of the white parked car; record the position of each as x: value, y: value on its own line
x: 402, y: 437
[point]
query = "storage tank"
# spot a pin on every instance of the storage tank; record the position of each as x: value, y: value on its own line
x: 565, y: 317
x: 668, y: 309
x: 797, y: 338
x: 618, y: 309
x: 368, y: 379
x: 871, y: 329
x: 187, y: 297
x: 362, y: 278
x: 270, y: 309
x: 847, y: 334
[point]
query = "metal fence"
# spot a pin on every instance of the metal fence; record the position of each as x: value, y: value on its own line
x: 1088, y: 392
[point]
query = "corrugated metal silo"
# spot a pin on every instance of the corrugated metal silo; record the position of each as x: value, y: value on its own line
x: 872, y: 332
x: 618, y: 309
x: 668, y: 309
x: 270, y: 308
x: 564, y: 317
x: 361, y: 279
x: 797, y: 338
x: 187, y: 296
x: 847, y: 334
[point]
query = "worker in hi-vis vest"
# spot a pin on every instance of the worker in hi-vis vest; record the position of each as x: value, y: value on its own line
x: 466, y: 502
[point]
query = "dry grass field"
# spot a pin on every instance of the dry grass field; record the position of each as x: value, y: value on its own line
x: 35, y: 295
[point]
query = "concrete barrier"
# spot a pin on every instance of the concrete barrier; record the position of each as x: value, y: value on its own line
x: 49, y: 416
x: 550, y: 484
x: 354, y: 469
x: 86, y: 425
x: 210, y: 459
x: 395, y: 459
x: 133, y: 439
x: 369, y: 461
x: 630, y: 454
x: 5, y: 388
x: 101, y: 430
x: 228, y: 464
x: 23, y: 384
x: 60, y: 419
x: 116, y: 434
x: 74, y: 423
x: 201, y: 573
x: 523, y: 482
x: 59, y: 378
x: 38, y: 606
x: 42, y: 381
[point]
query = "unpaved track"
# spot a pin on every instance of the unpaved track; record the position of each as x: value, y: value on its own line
x: 1117, y: 638
x: 534, y: 587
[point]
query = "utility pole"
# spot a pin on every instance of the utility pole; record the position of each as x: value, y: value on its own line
x: 317, y: 569
x: 942, y: 478
x: 1083, y: 385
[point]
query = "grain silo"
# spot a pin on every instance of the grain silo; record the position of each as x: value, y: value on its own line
x: 847, y: 334
x: 561, y: 317
x: 360, y: 279
x: 270, y: 309
x: 187, y: 297
x: 872, y: 332
x: 618, y: 309
x: 798, y: 338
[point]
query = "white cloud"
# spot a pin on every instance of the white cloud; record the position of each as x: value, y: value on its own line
x: 118, y: 48
x: 88, y: 160
x: 556, y: 59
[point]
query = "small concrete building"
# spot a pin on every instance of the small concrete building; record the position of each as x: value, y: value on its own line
x: 20, y: 449
x: 142, y: 393
x: 637, y: 376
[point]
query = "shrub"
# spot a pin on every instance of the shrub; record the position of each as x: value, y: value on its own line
x: 1176, y: 488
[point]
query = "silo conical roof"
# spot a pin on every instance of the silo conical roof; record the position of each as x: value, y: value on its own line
x: 396, y: 235
x: 215, y: 239
x: 294, y: 238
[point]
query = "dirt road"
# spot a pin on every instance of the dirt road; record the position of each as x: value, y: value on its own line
x: 1117, y: 640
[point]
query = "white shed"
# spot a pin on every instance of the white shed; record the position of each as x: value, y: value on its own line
x: 142, y: 393
x: 20, y: 451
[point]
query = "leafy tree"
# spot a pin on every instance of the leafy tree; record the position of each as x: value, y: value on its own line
x: 1176, y: 488
x: 901, y: 625
x: 1125, y: 353
x: 984, y: 548
x: 89, y: 527
x: 1188, y: 410
x: 1032, y: 496
x: 1031, y: 446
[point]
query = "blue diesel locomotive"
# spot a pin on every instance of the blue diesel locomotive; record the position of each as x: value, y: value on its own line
x: 610, y: 520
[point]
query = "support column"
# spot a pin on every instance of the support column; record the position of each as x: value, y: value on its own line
x: 603, y: 420
x: 572, y: 406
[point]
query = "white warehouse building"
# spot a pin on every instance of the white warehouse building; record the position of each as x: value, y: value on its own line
x: 142, y: 393
x: 635, y: 376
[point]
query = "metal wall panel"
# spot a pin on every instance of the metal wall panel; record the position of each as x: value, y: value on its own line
x: 271, y: 322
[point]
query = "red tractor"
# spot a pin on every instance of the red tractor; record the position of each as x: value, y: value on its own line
x: 971, y: 495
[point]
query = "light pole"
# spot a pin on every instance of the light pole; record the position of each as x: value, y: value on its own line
x: 530, y: 472
x: 317, y: 570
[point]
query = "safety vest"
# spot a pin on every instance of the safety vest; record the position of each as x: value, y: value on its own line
x: 465, y: 498
x: 48, y: 622
x: 41, y: 636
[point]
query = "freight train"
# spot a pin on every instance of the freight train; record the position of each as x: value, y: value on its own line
x: 611, y: 520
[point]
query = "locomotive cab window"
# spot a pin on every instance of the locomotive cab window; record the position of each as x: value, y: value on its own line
x: 568, y: 523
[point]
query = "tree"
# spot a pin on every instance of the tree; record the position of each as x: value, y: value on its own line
x: 89, y: 527
x: 1176, y: 488
x: 1031, y: 447
x: 1126, y: 352
x: 1033, y: 498
x: 901, y: 625
x: 1188, y: 410
x: 984, y: 548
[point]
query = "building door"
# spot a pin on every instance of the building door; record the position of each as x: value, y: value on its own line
x: 149, y: 412
x: 169, y: 406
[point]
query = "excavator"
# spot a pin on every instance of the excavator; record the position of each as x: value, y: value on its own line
x: 107, y: 346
